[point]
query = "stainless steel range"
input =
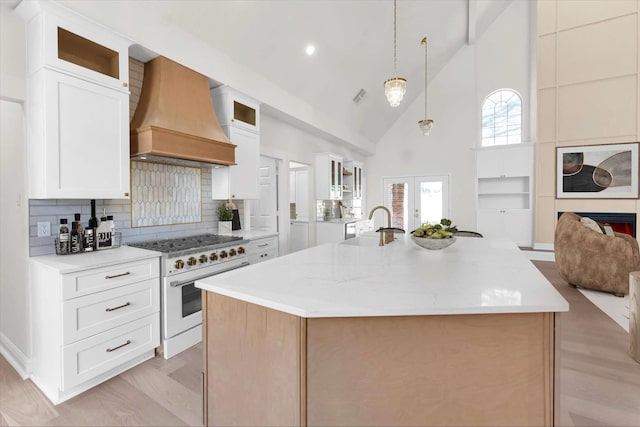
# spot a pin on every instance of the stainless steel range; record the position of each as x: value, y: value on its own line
x: 184, y: 261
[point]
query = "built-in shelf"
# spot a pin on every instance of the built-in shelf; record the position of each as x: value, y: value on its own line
x: 88, y: 54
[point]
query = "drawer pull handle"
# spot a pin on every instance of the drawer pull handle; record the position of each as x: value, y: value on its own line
x: 263, y: 245
x: 117, y: 275
x: 109, y: 350
x: 118, y: 307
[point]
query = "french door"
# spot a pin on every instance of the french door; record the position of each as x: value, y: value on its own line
x: 415, y: 200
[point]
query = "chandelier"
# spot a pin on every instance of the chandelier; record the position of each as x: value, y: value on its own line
x: 395, y: 87
x: 425, y: 124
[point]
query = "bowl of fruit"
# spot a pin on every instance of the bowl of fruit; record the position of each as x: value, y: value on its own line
x: 435, y: 236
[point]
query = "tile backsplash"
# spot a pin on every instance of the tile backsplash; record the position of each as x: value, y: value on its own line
x: 165, y: 194
x: 52, y: 210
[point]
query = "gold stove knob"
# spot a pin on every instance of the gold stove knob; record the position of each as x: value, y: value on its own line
x: 240, y: 250
x: 213, y: 256
x: 192, y: 261
x: 223, y: 254
x: 202, y: 259
x: 179, y: 264
x: 232, y: 252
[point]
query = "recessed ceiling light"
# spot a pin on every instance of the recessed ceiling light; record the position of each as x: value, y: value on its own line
x: 310, y: 49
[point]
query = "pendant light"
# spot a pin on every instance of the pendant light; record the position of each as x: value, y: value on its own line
x: 425, y: 124
x: 395, y: 87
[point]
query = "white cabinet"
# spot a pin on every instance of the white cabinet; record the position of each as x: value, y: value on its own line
x: 504, y: 193
x: 329, y: 232
x: 239, y: 116
x: 515, y: 224
x: 504, y: 161
x: 328, y: 176
x: 58, y: 40
x: 263, y: 249
x: 235, y: 108
x: 299, y: 235
x: 77, y: 107
x: 94, y: 322
x: 239, y: 181
x: 352, y: 180
x: 78, y: 138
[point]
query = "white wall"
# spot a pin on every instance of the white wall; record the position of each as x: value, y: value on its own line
x: 14, y: 228
x: 500, y: 58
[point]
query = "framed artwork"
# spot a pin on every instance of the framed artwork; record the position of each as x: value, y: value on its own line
x: 597, y: 172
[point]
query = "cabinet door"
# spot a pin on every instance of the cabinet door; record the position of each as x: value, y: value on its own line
x: 517, y: 225
x: 489, y: 163
x: 491, y: 223
x: 87, y: 140
x: 243, y: 177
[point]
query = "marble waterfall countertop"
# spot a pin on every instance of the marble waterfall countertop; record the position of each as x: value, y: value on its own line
x: 359, y: 278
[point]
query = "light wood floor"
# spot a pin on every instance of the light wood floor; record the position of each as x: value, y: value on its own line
x: 600, y: 383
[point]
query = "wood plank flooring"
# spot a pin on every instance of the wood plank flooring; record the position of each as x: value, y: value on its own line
x: 599, y: 382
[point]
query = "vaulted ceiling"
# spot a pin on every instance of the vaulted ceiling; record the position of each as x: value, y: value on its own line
x: 353, y: 40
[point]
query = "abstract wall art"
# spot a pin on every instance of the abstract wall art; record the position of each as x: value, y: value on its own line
x: 597, y: 172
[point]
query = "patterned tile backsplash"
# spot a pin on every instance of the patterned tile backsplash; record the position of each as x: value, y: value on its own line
x: 53, y: 210
x: 164, y: 194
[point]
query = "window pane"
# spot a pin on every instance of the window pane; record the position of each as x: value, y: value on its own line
x: 502, y: 118
x: 430, y: 202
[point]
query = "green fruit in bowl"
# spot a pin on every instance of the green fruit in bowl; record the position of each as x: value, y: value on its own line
x: 444, y: 230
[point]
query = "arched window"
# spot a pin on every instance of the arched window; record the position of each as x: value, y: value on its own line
x: 502, y: 118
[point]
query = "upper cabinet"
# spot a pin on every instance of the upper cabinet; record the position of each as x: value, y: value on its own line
x: 236, y: 109
x: 505, y: 161
x: 239, y: 117
x: 328, y: 176
x: 352, y: 180
x: 60, y: 40
x: 77, y: 106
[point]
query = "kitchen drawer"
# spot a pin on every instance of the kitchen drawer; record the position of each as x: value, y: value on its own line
x: 95, y: 313
x: 263, y: 256
x: 262, y: 245
x: 101, y: 279
x: 91, y: 357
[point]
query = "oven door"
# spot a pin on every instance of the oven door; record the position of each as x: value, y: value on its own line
x: 182, y: 301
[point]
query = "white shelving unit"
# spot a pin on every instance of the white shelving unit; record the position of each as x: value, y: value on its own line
x: 504, y: 193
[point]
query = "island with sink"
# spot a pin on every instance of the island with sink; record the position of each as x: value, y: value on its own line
x: 361, y: 334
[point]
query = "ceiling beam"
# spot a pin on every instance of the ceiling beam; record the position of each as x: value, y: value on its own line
x: 471, y: 21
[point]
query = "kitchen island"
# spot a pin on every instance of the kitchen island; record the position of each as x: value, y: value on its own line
x: 358, y: 334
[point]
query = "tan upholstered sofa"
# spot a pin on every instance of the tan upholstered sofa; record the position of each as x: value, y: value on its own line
x: 593, y: 260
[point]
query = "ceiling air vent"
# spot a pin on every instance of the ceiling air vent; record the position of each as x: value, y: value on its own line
x: 359, y: 96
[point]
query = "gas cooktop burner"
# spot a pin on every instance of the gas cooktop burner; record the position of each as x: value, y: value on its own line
x: 184, y: 243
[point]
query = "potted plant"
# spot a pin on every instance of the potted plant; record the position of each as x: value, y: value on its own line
x: 326, y: 213
x: 225, y: 215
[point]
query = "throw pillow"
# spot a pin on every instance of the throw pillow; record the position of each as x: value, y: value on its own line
x: 591, y: 224
x: 608, y: 230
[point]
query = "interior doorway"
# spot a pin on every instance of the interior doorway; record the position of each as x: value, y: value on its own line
x: 415, y: 200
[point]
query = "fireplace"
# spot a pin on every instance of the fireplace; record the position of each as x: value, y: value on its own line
x: 620, y: 222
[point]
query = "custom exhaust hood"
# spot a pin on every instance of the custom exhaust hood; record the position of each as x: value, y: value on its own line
x: 175, y: 117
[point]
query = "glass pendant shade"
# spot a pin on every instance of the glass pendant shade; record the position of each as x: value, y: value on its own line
x: 425, y: 126
x: 394, y: 90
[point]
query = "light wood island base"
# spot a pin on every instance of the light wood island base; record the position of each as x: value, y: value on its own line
x: 265, y: 367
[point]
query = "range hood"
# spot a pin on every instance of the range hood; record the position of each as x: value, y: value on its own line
x: 175, y: 117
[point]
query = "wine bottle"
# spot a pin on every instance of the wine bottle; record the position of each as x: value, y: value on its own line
x: 63, y: 237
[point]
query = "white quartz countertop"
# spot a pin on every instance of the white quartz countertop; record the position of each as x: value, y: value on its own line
x: 254, y: 233
x: 359, y: 278
x: 64, y: 264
